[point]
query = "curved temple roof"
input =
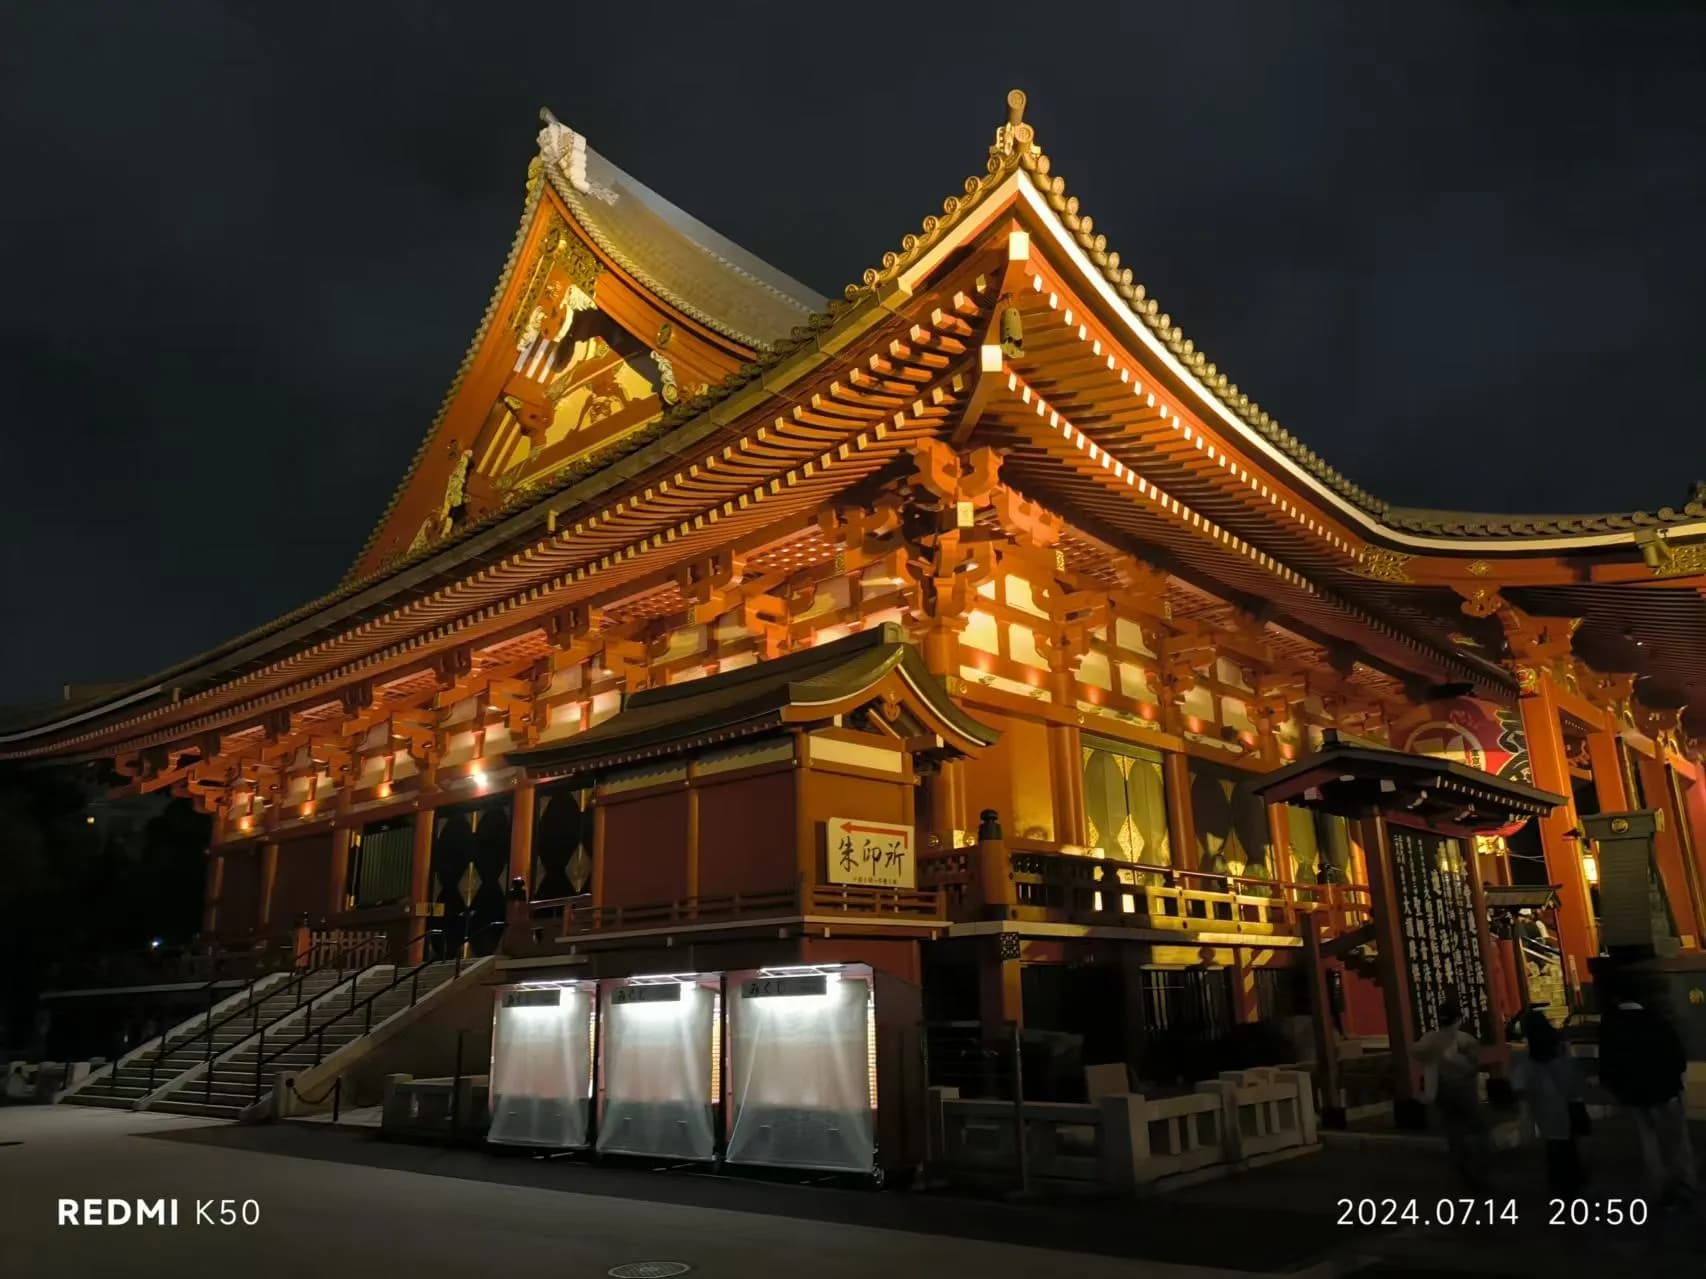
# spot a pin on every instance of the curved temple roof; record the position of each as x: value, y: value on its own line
x: 669, y: 251
x: 705, y: 275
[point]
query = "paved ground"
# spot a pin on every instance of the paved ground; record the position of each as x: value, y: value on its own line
x: 335, y: 1200
x: 333, y: 1215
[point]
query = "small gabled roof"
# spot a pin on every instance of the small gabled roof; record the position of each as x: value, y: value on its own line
x: 1351, y: 780
x: 801, y: 688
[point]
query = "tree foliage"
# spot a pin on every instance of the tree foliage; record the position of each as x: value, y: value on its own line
x: 75, y: 892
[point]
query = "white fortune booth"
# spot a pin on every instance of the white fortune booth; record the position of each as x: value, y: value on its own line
x: 802, y: 1068
x: 659, y: 1073
x: 541, y: 1079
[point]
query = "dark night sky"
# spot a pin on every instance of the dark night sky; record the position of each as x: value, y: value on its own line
x: 1461, y: 251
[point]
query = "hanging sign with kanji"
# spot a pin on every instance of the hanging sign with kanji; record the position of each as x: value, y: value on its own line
x: 876, y: 853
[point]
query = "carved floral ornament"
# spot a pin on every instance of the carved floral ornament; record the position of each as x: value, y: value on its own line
x: 1382, y: 565
x: 1668, y: 558
x: 564, y: 280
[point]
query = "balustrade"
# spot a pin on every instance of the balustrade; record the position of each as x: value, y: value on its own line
x: 579, y: 916
x: 1096, y: 888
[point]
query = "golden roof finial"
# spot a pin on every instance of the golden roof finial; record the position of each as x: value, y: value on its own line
x: 1014, y: 137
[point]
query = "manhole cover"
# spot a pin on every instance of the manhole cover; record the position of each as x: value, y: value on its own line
x: 648, y: 1270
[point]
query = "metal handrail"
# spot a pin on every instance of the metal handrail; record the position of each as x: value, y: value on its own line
x: 253, y: 1008
x: 160, y: 1039
x: 412, y: 976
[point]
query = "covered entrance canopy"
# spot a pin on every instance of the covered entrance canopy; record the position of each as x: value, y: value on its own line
x: 1416, y: 818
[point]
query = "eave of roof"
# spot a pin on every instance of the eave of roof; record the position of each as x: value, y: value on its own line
x: 1467, y: 524
x: 1413, y: 529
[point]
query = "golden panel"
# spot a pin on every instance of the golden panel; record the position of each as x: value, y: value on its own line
x: 1382, y: 565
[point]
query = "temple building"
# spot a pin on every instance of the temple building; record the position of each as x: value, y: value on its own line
x: 946, y: 628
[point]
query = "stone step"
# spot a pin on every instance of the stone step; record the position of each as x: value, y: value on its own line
x: 290, y: 1061
x: 230, y: 1095
x: 214, y: 1110
x: 99, y: 1099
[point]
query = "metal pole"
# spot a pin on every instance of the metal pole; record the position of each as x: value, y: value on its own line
x: 456, y: 1090
x: 337, y: 1098
x: 1019, y: 1112
x: 260, y: 1056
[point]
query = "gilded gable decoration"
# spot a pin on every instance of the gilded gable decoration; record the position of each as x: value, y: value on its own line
x: 1382, y: 565
x: 563, y: 282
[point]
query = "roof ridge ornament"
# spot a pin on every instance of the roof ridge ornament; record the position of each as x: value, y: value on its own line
x: 1015, y: 137
x: 566, y: 149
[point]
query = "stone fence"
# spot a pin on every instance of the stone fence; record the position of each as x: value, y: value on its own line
x: 1124, y: 1143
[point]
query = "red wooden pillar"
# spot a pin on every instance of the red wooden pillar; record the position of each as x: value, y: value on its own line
x: 1607, y: 765
x: 1181, y: 826
x: 1545, y: 734
x: 1066, y: 765
x: 1243, y: 974
x: 1321, y: 1019
x: 946, y: 786
x: 1686, y: 803
x: 337, y: 871
x: 269, y: 877
x: 1680, y: 889
x: 598, y: 853
x: 1394, y: 965
x: 1000, y: 989
x: 210, y: 900
x: 420, y: 887
x: 521, y: 834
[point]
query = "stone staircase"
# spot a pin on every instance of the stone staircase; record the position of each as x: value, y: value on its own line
x: 127, y: 1087
x: 296, y: 1042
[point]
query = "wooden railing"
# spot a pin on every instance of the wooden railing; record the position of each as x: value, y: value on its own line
x: 348, y: 948
x: 869, y: 899
x: 1109, y: 891
x: 579, y: 916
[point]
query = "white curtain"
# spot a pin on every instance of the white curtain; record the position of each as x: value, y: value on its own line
x: 801, y: 1077
x: 541, y: 1081
x: 656, y: 1076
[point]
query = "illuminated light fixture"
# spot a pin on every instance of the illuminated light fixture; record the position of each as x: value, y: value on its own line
x: 308, y: 808
x: 477, y: 775
x: 383, y: 790
x: 245, y: 823
x: 1590, y: 868
x: 90, y: 819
